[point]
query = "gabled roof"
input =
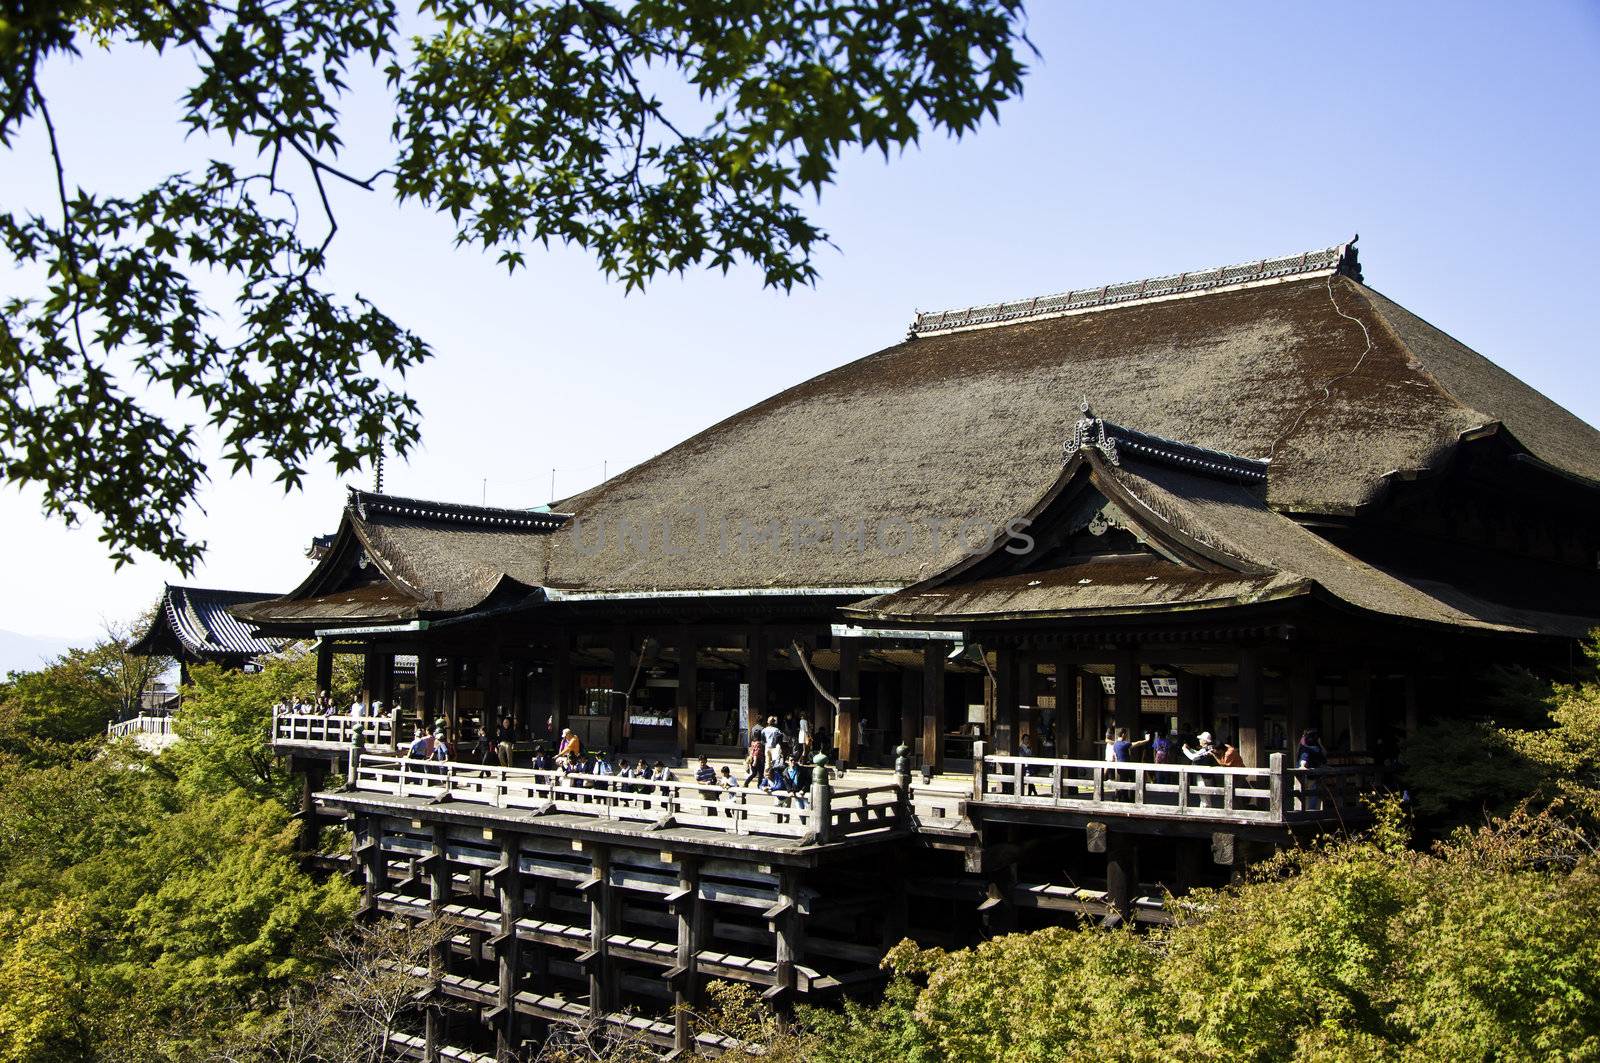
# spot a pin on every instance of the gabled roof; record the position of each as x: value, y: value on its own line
x: 399, y: 559
x: 194, y: 622
x: 1328, y: 382
x: 1214, y: 543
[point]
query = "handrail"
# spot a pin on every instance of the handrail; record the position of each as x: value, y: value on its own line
x: 1275, y: 793
x: 317, y: 729
x: 820, y: 814
x: 141, y: 724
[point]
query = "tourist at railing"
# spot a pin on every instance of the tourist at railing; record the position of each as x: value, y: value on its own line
x: 772, y: 738
x: 431, y: 748
x: 1025, y: 749
x: 541, y: 758
x: 324, y: 702
x: 755, y: 764
x: 1230, y: 757
x: 570, y: 750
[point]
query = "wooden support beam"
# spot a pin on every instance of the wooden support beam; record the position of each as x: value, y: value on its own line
x: 786, y: 929
x: 438, y: 871
x: 1066, y: 730
x: 933, y: 715
x: 1360, y: 706
x: 621, y: 676
x: 756, y: 676
x: 1127, y: 710
x: 324, y: 666
x: 508, y: 890
x: 1250, y: 707
x: 1005, y: 702
x: 910, y: 708
x: 1093, y: 718
x: 561, y: 680
x: 1122, y: 871
x: 602, y: 923
x: 690, y: 915
x: 1189, y: 703
x: 688, y: 683
x: 1302, y: 680
x: 848, y: 726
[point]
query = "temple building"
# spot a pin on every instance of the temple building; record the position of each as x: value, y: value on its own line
x: 1253, y: 500
x: 193, y: 625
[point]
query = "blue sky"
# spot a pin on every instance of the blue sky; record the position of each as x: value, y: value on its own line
x: 1459, y: 139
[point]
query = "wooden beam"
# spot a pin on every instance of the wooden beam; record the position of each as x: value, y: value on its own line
x: 756, y: 676
x: 688, y: 682
x: 621, y: 677
x: 508, y: 953
x: 933, y: 716
x: 1127, y: 671
x: 1250, y: 707
x: 848, y: 729
x: 1005, y: 701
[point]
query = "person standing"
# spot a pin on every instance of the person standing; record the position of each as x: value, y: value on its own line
x: 803, y: 734
x: 505, y: 742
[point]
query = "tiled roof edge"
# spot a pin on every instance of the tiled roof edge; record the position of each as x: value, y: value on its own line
x: 367, y: 503
x: 1341, y: 258
x: 1115, y: 441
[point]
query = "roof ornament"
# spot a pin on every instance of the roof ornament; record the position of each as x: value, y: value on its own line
x: 1090, y: 434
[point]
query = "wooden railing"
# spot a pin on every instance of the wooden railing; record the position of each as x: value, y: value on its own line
x: 141, y: 725
x: 1274, y: 794
x: 314, y: 729
x: 821, y: 813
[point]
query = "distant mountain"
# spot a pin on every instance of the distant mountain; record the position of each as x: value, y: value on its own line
x: 23, y: 653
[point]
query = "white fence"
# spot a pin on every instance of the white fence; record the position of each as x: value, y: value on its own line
x: 821, y: 812
x: 142, y: 725
x: 1274, y: 794
x: 314, y: 729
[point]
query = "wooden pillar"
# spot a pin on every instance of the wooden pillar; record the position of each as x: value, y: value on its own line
x: 756, y: 676
x: 848, y: 726
x: 493, y: 693
x: 1190, y: 855
x: 691, y: 918
x: 438, y: 872
x: 1413, y: 713
x: 1360, y: 706
x: 785, y: 926
x: 1302, y: 679
x: 688, y: 683
x: 910, y: 708
x: 602, y: 916
x: 1067, y: 744
x: 1122, y: 871
x: 1093, y: 718
x: 324, y: 665
x: 313, y: 773
x: 621, y: 676
x: 561, y: 686
x: 508, y: 891
x: 369, y: 675
x: 1250, y: 709
x: 933, y: 722
x: 1127, y: 706
x: 1189, y: 722
x: 1005, y: 701
x: 427, y: 697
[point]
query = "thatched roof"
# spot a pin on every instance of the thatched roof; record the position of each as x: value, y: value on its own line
x: 1252, y: 555
x: 399, y: 558
x: 1332, y: 382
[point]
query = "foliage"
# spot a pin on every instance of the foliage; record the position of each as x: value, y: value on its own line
x: 72, y: 698
x: 524, y: 122
x: 145, y: 906
x: 226, y: 715
x: 1462, y: 770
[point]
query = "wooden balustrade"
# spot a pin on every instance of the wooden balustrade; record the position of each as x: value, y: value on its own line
x: 141, y: 725
x: 332, y: 732
x: 1273, y: 794
x: 841, y: 813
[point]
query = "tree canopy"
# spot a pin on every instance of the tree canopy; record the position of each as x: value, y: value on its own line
x: 658, y: 135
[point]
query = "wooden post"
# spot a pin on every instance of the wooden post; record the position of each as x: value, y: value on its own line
x: 1093, y: 718
x: 561, y: 686
x: 508, y: 891
x: 312, y: 776
x: 688, y: 684
x: 821, y: 804
x: 374, y: 864
x: 785, y: 926
x: 1413, y: 711
x: 690, y: 917
x: 1250, y: 709
x: 756, y: 675
x: 1277, y: 786
x: 621, y: 676
x: 849, y: 701
x: 1127, y: 710
x: 910, y: 708
x: 438, y: 873
x: 601, y: 916
x: 1066, y: 707
x: 1360, y: 706
x: 933, y: 724
x: 1005, y: 701
x: 1122, y: 871
x: 1189, y: 703
x: 1301, y: 689
x: 324, y: 665
x: 980, y: 770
